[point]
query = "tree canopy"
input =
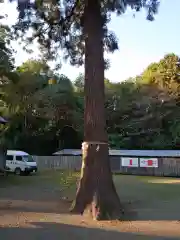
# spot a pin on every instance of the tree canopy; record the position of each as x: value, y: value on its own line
x: 58, y: 25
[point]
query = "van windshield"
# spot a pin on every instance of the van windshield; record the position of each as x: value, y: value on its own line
x: 28, y: 158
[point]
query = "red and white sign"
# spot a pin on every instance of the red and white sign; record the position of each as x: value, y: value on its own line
x: 149, y: 162
x: 129, y: 162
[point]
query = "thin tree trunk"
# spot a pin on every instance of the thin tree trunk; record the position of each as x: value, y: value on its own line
x: 96, y: 188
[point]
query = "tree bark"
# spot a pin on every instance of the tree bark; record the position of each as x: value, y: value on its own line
x: 96, y: 189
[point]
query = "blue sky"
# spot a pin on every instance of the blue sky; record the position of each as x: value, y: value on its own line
x: 140, y: 41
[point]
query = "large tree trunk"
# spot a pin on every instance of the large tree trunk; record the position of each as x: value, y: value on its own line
x: 96, y: 188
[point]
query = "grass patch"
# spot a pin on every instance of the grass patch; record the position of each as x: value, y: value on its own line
x: 146, y: 189
x: 65, y: 181
x: 12, y: 180
x: 130, y: 188
x: 58, y: 179
x: 63, y: 178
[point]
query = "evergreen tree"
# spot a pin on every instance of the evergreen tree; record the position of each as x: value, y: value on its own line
x: 79, y: 28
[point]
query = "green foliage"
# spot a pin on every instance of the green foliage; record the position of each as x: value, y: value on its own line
x: 146, y: 113
x: 34, y: 67
x: 59, y: 24
x: 142, y: 113
x: 79, y: 83
x: 165, y: 74
x: 6, y: 59
x: 38, y: 112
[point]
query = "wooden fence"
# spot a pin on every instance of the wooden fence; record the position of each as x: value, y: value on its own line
x: 166, y: 166
x: 58, y: 162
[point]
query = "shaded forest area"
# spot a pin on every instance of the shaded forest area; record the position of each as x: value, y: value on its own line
x: 45, y: 108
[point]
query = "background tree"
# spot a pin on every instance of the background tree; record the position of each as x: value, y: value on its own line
x: 149, y: 108
x: 79, y: 83
x: 37, y: 111
x: 6, y: 53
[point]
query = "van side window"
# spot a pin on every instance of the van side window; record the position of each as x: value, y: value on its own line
x: 9, y: 157
x: 19, y: 158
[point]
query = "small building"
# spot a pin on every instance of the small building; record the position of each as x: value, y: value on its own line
x: 136, y: 162
x: 125, y: 153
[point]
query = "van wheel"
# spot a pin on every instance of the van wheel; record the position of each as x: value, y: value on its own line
x: 17, y: 171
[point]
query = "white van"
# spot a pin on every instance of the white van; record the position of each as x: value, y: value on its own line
x: 20, y: 162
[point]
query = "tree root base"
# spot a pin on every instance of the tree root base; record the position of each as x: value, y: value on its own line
x: 99, y: 214
x: 96, y: 191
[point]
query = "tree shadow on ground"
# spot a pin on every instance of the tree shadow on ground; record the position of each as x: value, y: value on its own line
x: 150, y: 213
x: 132, y: 213
x: 46, y: 231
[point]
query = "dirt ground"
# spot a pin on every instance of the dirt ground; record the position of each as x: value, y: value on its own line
x: 36, y: 208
